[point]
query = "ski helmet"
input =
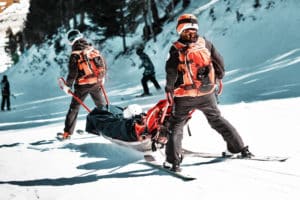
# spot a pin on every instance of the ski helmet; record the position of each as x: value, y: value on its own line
x: 186, y: 21
x: 131, y: 111
x: 74, y: 35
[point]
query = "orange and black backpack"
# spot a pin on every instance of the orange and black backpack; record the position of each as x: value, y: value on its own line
x: 197, y: 70
x: 92, y: 64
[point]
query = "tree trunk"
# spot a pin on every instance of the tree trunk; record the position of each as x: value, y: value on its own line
x: 123, y: 28
x: 155, y: 12
x: 82, y: 17
x: 149, y: 18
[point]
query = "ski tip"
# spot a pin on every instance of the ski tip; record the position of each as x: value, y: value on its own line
x: 190, y: 179
x: 283, y: 159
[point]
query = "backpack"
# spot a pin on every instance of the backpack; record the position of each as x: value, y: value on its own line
x: 196, y: 67
x: 92, y: 64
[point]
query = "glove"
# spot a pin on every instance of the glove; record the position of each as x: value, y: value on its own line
x: 103, y: 81
x: 170, y: 98
x: 66, y: 89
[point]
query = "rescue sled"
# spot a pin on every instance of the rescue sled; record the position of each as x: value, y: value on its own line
x: 141, y: 131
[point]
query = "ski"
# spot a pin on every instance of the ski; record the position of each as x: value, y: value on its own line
x: 235, y: 156
x: 150, y: 161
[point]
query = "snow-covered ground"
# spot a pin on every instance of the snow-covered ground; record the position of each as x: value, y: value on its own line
x: 33, y: 165
x: 260, y: 98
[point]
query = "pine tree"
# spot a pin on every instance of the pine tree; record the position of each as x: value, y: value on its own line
x: 11, y: 46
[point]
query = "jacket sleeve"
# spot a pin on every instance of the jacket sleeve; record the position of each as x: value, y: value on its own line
x: 217, y: 60
x: 171, y: 69
x: 73, y: 70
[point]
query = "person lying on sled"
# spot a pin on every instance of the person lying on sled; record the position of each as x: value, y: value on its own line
x: 130, y: 124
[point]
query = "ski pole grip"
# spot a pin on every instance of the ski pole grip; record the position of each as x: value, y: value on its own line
x: 63, y: 86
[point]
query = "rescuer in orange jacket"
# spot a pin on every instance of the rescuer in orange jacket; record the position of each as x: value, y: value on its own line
x: 192, y: 69
x: 87, y: 69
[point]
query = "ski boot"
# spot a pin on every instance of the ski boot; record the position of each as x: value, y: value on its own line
x: 174, y: 166
x: 245, y: 153
x: 64, y: 136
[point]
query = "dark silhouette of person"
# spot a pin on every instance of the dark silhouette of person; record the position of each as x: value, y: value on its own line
x: 149, y: 72
x: 5, y: 93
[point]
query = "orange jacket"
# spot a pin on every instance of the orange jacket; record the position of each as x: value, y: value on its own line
x: 194, y: 69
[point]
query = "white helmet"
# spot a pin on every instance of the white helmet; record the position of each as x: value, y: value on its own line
x: 74, y: 35
x: 131, y: 111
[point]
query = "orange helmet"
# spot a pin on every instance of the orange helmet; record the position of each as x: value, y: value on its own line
x: 186, y: 21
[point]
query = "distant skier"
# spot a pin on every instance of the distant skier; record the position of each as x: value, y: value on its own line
x: 191, y: 72
x: 5, y: 88
x: 87, y: 69
x: 149, y: 72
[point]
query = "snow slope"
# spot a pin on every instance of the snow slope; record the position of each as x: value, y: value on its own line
x: 33, y: 165
x: 261, y: 99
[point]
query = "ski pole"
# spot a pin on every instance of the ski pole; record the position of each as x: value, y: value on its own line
x: 105, y: 94
x: 101, y: 85
x: 162, y: 119
x: 168, y: 103
x: 62, y: 85
x: 79, y: 101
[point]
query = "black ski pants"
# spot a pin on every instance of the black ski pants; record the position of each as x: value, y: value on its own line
x: 82, y: 91
x: 5, y: 100
x: 208, y: 105
x: 145, y: 79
